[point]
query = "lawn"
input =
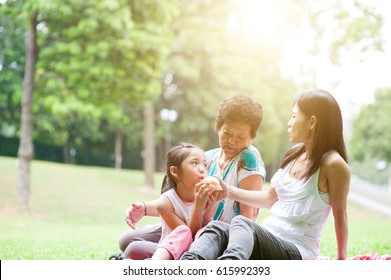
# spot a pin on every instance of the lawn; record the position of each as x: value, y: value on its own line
x: 77, y: 213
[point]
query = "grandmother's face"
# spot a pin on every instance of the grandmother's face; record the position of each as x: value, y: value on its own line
x: 234, y: 137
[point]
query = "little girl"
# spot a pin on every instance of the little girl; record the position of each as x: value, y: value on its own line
x: 181, y: 206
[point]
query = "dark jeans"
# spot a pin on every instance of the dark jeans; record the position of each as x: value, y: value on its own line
x: 243, y: 239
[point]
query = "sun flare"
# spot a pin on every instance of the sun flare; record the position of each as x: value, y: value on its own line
x: 254, y: 20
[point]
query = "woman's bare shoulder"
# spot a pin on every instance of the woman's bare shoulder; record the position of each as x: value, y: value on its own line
x: 333, y: 162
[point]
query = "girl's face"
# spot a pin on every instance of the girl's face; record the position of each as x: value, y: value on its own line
x: 298, y: 126
x: 234, y: 137
x: 193, y: 168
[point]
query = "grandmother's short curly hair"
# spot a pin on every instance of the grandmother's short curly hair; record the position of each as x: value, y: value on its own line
x: 242, y: 108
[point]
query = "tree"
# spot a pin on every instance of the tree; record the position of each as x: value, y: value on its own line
x: 89, y: 54
x: 112, y: 59
x: 25, y: 152
x: 12, y: 60
x: 370, y: 131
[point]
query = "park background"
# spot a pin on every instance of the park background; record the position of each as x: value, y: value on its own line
x: 93, y: 93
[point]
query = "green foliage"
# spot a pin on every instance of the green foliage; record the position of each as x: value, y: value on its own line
x: 12, y: 56
x: 68, y: 120
x: 368, y: 169
x: 100, y: 60
x: 96, y: 60
x: 359, y: 29
x: 103, y: 51
x: 371, y: 137
x: 219, y: 63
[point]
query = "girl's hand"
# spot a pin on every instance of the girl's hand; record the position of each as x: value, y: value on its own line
x: 219, y: 195
x: 210, y: 208
x: 202, y: 195
x: 134, y: 214
x: 211, y: 200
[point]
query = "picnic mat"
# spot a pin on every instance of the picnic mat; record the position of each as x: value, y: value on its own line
x: 371, y: 256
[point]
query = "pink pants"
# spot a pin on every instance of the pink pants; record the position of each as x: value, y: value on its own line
x: 178, y: 241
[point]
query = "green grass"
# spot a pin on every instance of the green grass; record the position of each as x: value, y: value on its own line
x: 77, y: 213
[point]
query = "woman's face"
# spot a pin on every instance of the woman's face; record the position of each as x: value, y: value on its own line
x: 234, y: 137
x: 298, y: 126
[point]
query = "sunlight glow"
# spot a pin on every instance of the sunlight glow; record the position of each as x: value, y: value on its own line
x: 254, y: 20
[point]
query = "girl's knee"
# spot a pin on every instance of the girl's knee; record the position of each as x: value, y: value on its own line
x: 135, y: 251
x: 180, y: 235
x: 126, y: 239
x: 123, y: 243
x: 184, y: 230
x: 178, y: 241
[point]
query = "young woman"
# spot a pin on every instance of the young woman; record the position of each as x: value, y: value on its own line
x: 313, y: 180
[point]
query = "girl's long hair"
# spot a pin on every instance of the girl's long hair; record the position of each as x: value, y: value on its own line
x: 328, y: 134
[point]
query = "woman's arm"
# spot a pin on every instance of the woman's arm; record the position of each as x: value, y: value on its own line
x: 253, y: 183
x: 337, y: 173
x: 258, y: 199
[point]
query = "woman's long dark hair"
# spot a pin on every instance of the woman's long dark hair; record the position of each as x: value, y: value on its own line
x: 328, y: 134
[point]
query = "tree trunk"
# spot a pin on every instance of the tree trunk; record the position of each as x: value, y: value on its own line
x: 26, y: 149
x: 149, y: 144
x: 119, y: 137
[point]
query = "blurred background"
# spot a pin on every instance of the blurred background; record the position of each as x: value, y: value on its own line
x: 115, y: 83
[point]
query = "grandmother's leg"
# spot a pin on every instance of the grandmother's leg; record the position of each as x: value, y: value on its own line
x: 211, y: 243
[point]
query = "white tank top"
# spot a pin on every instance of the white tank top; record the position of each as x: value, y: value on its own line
x: 300, y: 212
x: 182, y: 209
